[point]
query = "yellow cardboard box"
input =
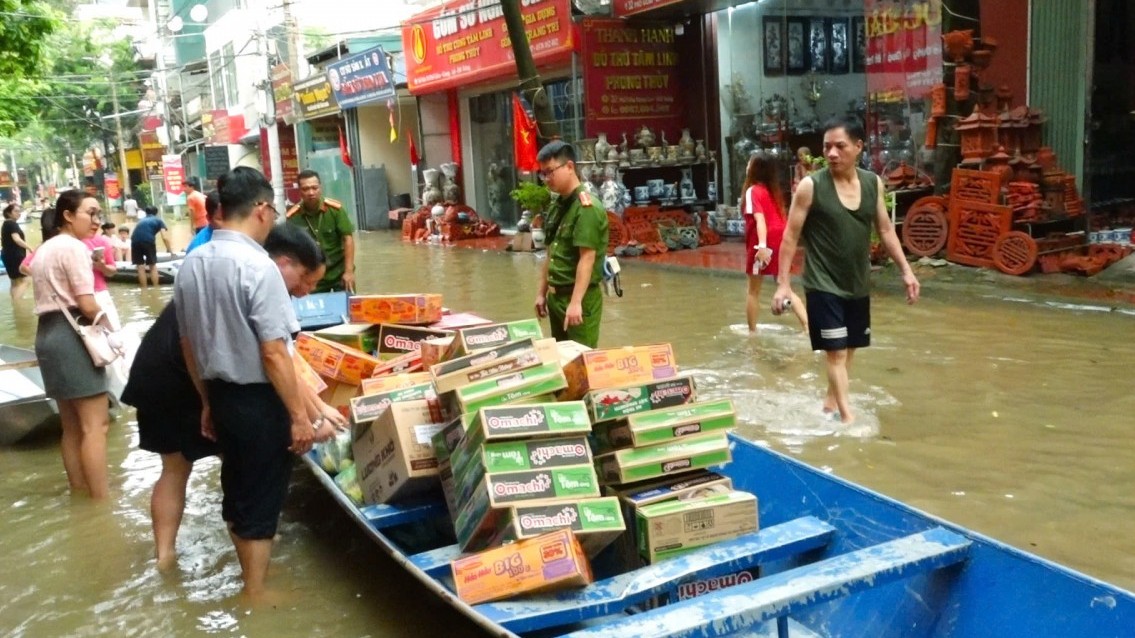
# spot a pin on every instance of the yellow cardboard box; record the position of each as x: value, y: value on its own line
x: 335, y: 360
x: 378, y: 385
x: 618, y: 367
x: 551, y: 561
x: 408, y: 308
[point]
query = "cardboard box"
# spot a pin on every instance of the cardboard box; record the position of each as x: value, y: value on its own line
x: 338, y: 395
x: 410, y: 308
x: 667, y: 424
x: 475, y: 339
x: 306, y: 374
x: 395, y: 340
x: 371, y: 406
x: 409, y: 362
x: 360, y: 336
x: 435, y: 350
x: 335, y: 360
x: 618, y: 367
x: 481, y: 513
x: 616, y: 403
x: 459, y: 320
x: 673, y: 457
x: 470, y: 465
x: 526, y: 385
x: 671, y: 528
x: 394, y: 454
x: 445, y: 442
x: 570, y: 350
x: 502, y: 360
x: 551, y: 561
x: 377, y: 385
x: 597, y: 522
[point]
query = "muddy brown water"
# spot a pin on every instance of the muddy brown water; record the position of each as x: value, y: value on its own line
x: 1008, y: 414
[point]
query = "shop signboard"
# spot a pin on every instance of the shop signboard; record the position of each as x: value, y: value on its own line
x: 904, y: 48
x: 152, y: 150
x: 315, y: 98
x: 216, y: 161
x: 461, y: 42
x: 282, y: 92
x: 625, y: 8
x: 173, y: 178
x: 630, y: 78
x: 5, y: 179
x: 110, y: 187
x: 288, y: 157
x: 361, y: 79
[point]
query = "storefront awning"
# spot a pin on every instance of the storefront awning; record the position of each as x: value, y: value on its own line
x: 672, y: 8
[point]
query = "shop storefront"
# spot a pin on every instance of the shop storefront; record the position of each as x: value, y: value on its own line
x: 319, y: 133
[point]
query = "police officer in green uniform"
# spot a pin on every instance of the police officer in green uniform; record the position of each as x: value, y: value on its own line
x: 328, y: 223
x: 576, y: 235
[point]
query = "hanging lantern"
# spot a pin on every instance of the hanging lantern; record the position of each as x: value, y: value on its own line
x: 961, y: 82
x: 938, y: 100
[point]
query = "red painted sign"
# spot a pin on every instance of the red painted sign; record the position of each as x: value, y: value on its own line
x: 630, y: 78
x: 174, y: 175
x: 466, y: 41
x: 110, y: 187
x: 288, y: 157
x: 632, y: 7
x: 904, y: 48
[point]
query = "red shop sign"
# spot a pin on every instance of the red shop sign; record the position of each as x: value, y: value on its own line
x: 904, y: 48
x: 630, y: 78
x: 466, y: 41
x: 632, y: 7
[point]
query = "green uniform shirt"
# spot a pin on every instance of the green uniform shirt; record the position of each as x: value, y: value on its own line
x: 837, y: 240
x: 328, y: 225
x: 572, y: 224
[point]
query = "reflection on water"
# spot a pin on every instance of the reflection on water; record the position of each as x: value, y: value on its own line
x: 1009, y: 417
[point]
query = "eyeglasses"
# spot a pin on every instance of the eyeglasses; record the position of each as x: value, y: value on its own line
x: 271, y: 207
x: 544, y: 175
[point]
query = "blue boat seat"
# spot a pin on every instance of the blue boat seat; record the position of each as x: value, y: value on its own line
x: 389, y: 515
x: 616, y: 594
x: 435, y: 562
x: 750, y: 605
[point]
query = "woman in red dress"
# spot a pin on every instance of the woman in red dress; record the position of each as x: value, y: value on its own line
x: 763, y: 211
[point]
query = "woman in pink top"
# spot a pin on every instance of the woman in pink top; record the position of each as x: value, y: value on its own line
x: 763, y: 212
x: 103, y: 267
x: 64, y: 282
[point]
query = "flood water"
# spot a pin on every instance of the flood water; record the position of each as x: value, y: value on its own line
x: 1010, y: 416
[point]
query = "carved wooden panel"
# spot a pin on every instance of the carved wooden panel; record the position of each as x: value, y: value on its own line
x: 926, y: 228
x: 1015, y: 253
x: 975, y: 186
x: 974, y: 230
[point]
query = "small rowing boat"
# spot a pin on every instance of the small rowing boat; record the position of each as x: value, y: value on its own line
x: 24, y: 408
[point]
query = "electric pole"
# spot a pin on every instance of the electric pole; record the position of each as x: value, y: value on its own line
x: 531, y: 88
x: 123, y: 171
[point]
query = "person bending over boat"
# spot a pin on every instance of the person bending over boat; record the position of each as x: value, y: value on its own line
x: 833, y: 212
x: 169, y: 408
x: 64, y: 282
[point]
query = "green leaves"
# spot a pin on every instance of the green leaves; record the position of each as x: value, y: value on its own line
x: 24, y: 27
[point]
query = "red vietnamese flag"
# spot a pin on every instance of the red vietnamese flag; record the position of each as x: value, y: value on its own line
x: 344, y: 152
x: 524, y: 137
x: 414, y: 159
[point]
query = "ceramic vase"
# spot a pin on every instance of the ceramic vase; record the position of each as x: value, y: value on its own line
x: 602, y: 148
x: 699, y: 151
x: 687, y: 144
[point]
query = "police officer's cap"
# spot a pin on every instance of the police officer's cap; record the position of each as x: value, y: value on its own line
x: 556, y: 148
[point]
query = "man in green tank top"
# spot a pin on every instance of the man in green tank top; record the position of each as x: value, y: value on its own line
x: 576, y: 233
x: 833, y: 212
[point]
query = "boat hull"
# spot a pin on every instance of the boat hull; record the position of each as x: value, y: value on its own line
x: 25, y: 411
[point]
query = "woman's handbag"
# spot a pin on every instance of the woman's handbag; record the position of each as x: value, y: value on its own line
x: 102, y: 344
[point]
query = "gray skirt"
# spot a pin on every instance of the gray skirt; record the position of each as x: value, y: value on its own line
x: 67, y: 370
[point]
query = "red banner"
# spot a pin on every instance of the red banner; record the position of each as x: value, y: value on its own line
x: 110, y: 187
x: 288, y: 158
x: 630, y: 78
x: 904, y: 48
x: 173, y: 175
x: 459, y: 42
x: 524, y: 138
x: 632, y: 7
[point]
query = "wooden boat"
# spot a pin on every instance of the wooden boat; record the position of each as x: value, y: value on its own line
x: 24, y: 408
x: 834, y: 560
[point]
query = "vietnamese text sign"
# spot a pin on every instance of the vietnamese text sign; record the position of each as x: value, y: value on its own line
x: 904, y: 48
x: 110, y: 187
x: 173, y: 178
x: 216, y: 161
x: 361, y: 79
x: 461, y: 42
x: 152, y: 150
x: 282, y: 92
x: 315, y: 98
x: 630, y: 78
x: 631, y: 7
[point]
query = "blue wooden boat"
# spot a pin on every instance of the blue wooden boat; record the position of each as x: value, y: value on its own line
x: 834, y: 559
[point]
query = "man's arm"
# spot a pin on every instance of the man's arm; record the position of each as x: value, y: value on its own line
x: 195, y: 375
x: 165, y: 239
x: 542, y: 288
x: 278, y: 366
x: 797, y: 214
x: 349, y: 262
x: 891, y: 243
x: 574, y: 314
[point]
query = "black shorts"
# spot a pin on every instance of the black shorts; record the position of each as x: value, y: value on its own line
x: 12, y: 267
x: 174, y: 430
x: 254, y: 432
x: 144, y: 252
x: 835, y: 323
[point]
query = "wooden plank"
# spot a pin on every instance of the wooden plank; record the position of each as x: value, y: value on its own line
x: 389, y: 515
x: 617, y: 593
x: 754, y: 603
x: 436, y: 562
x: 19, y: 365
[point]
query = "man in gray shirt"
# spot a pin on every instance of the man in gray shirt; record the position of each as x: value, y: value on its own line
x: 236, y: 320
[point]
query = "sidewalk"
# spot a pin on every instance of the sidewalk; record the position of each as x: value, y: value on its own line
x: 1115, y: 286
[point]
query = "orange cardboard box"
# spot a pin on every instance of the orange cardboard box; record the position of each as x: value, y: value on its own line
x: 551, y: 561
x: 378, y: 385
x: 338, y: 395
x: 335, y: 360
x: 618, y: 367
x: 409, y: 362
x: 413, y: 308
x: 305, y: 374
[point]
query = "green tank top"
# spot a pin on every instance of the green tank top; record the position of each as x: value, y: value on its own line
x: 838, y: 240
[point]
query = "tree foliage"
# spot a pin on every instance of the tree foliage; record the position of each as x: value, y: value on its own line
x: 24, y: 27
